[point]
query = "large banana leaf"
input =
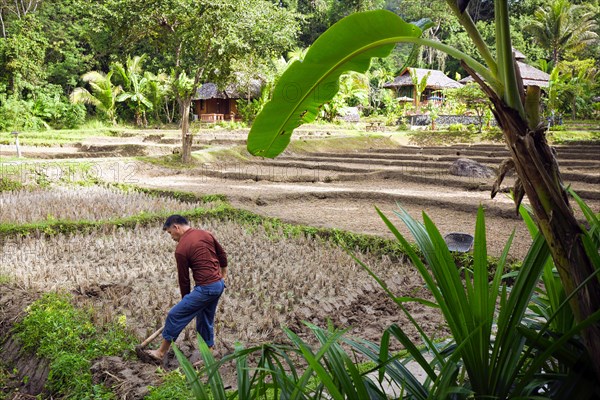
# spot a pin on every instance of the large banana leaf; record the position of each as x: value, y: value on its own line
x: 306, y: 85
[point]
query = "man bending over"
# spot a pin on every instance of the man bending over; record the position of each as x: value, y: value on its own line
x: 197, y: 250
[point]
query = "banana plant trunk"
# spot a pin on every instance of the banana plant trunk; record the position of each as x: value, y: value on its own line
x: 539, y: 178
x: 186, y: 136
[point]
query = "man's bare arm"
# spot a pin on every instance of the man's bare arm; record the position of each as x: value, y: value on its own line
x: 224, y: 273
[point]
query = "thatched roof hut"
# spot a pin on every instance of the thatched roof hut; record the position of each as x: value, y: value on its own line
x: 436, y: 80
x: 406, y: 90
x: 232, y: 91
x: 212, y: 105
x: 531, y: 76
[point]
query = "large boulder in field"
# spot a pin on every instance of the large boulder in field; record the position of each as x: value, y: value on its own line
x: 349, y: 114
x: 471, y: 169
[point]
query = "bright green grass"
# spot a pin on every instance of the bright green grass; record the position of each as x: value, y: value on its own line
x: 566, y: 136
x: 52, y: 137
x: 174, y: 387
x: 65, y: 335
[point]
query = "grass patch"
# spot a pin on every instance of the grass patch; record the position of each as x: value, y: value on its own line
x: 185, y: 197
x: 7, y: 185
x: 440, y: 138
x: 360, y: 142
x: 569, y: 136
x: 57, y: 331
x: 5, y: 379
x: 58, y: 226
x: 56, y: 137
x: 7, y: 159
x: 174, y: 387
x: 585, y: 124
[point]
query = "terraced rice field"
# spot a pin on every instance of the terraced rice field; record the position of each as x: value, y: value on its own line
x: 273, y: 281
x: 340, y: 189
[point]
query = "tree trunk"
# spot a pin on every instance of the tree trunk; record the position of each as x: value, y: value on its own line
x: 186, y: 137
x: 138, y: 118
x: 540, y: 180
x: 538, y: 172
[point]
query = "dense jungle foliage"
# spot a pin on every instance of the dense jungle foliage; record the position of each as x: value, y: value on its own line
x: 64, y: 62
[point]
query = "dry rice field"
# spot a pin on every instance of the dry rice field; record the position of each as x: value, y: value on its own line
x: 274, y: 280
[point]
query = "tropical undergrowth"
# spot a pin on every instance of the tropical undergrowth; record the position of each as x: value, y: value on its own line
x: 67, y: 337
x: 173, y: 387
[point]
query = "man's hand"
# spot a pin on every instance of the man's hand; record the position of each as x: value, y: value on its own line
x: 224, y: 273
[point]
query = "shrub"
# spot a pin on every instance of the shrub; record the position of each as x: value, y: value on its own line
x: 47, y: 107
x: 493, y: 134
x: 457, y: 127
x: 7, y: 185
x: 15, y: 114
x: 558, y: 128
x: 56, y: 330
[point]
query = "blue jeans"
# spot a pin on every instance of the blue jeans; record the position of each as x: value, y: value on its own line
x: 200, y: 303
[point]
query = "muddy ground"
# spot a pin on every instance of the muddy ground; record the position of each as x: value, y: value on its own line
x: 336, y: 189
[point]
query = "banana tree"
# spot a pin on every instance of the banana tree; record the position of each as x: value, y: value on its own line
x: 350, y: 44
x: 136, y: 86
x: 419, y: 85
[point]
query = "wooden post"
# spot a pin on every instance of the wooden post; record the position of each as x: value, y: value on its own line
x: 16, y: 134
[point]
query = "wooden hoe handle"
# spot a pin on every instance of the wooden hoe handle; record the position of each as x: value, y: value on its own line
x: 152, y: 337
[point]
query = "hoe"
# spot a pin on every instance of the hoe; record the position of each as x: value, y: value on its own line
x: 139, y: 349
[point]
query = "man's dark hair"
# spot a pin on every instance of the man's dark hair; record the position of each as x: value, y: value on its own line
x: 175, y: 219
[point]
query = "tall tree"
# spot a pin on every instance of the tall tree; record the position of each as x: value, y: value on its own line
x: 22, y: 53
x: 15, y: 10
x: 563, y: 28
x: 202, y: 38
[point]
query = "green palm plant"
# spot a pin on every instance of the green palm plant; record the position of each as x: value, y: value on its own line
x: 103, y: 95
x: 136, y: 86
x: 493, y: 338
x: 354, y: 88
x: 563, y: 27
x: 296, y: 54
x: 350, y: 44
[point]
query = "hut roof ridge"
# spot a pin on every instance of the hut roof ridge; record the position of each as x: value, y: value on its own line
x: 436, y: 80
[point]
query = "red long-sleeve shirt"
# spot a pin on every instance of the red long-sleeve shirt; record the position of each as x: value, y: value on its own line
x: 200, y: 252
